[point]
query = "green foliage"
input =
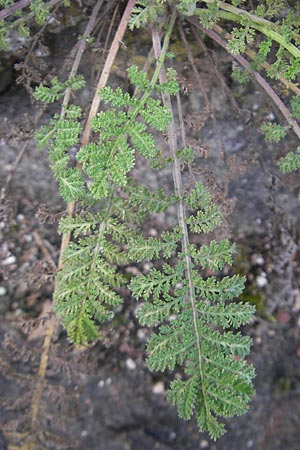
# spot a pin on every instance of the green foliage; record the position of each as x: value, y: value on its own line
x: 240, y: 39
x: 240, y: 76
x: 270, y: 8
x: 273, y: 132
x: 145, y: 11
x: 3, y: 37
x: 40, y: 10
x: 198, y: 335
x: 108, y: 161
x: 85, y: 290
x: 290, y: 162
x: 295, y: 105
x: 209, y: 16
x: 57, y: 89
x: 60, y: 136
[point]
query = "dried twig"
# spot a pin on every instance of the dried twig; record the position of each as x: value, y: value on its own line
x: 261, y: 81
x: 12, y: 171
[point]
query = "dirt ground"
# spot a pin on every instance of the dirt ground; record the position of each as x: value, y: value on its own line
x: 104, y: 398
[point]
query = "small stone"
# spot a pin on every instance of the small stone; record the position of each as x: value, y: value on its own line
x: 172, y: 317
x: 2, y: 291
x: 9, y: 260
x: 147, y: 267
x: 250, y: 443
x: 172, y: 435
x: 101, y: 384
x: 258, y: 260
x: 130, y: 364
x: 153, y: 232
x: 108, y: 381
x: 204, y: 443
x: 84, y: 433
x: 132, y: 270
x: 261, y: 280
x: 258, y: 340
x: 158, y: 388
x: 141, y: 334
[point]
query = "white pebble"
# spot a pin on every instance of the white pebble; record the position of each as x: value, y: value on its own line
x: 204, y: 443
x: 261, y: 280
x: 141, y: 334
x: 158, y: 388
x: 130, y: 364
x: 259, y: 260
x: 2, y: 291
x: 9, y: 260
x: 147, y: 267
x: 153, y: 232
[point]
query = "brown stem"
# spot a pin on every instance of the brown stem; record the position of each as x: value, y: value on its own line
x: 19, y: 5
x: 12, y: 171
x: 219, y: 76
x: 288, y: 84
x: 194, y: 67
x: 261, y: 81
x: 96, y: 102
x: 106, y: 69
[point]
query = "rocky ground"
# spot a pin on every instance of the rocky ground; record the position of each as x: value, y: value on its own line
x: 104, y: 398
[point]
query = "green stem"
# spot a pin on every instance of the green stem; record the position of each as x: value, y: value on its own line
x: 178, y: 189
x: 155, y: 77
x: 233, y: 14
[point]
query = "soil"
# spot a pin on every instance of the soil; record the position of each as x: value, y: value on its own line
x: 103, y: 397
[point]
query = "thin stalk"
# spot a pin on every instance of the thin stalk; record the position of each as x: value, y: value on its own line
x: 12, y: 171
x: 114, y: 48
x: 288, y: 84
x: 178, y: 189
x: 261, y: 81
x: 266, y: 27
x: 233, y: 14
x: 217, y: 73
x: 96, y: 102
x: 192, y: 63
x: 17, y: 6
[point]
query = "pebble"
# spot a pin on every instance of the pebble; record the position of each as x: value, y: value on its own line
x: 158, y: 388
x: 2, y: 291
x: 259, y: 260
x: 261, y: 280
x: 130, y: 364
x: 147, y: 267
x: 271, y: 116
x: 141, y: 334
x: 153, y: 232
x: 258, y: 340
x: 9, y: 260
x: 204, y: 443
